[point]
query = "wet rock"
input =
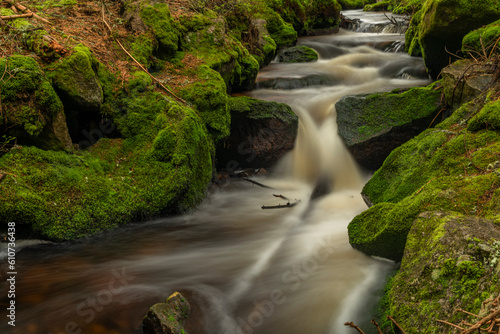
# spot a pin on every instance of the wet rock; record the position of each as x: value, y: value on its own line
x: 261, y: 45
x: 463, y: 82
x: 297, y: 54
x: 261, y: 133
x: 167, y: 317
x: 371, y: 126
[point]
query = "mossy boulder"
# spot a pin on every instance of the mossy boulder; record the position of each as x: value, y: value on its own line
x: 297, y: 54
x: 382, y: 230
x: 442, y: 25
x: 31, y: 110
x: 261, y: 133
x: 482, y: 42
x: 168, y: 317
x: 371, y: 126
x: 487, y: 118
x: 378, y: 6
x: 450, y: 262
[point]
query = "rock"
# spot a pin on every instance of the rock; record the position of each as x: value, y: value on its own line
x: 261, y: 133
x: 432, y: 284
x: 371, y: 126
x: 31, y: 110
x: 297, y: 54
x: 439, y: 27
x: 167, y: 317
x: 463, y: 82
x: 261, y: 45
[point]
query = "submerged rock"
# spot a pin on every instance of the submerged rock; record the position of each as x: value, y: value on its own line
x: 167, y: 317
x: 371, y: 126
x: 261, y: 133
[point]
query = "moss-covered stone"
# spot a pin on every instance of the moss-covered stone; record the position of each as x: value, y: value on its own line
x: 168, y: 317
x: 450, y: 263
x: 487, y: 118
x: 157, y: 17
x: 31, y: 110
x: 297, y: 54
x: 444, y: 23
x: 379, y: 6
x: 482, y: 42
x: 373, y: 125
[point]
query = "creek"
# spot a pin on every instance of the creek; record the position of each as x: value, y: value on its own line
x: 245, y: 270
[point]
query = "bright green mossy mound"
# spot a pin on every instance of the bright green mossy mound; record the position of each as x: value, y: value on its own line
x: 163, y: 166
x: 297, y: 54
x: 482, y: 42
x: 31, y: 110
x: 378, y: 6
x: 354, y: 4
x: 451, y: 262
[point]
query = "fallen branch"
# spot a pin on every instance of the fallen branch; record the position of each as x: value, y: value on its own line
x: 257, y: 183
x: 395, y: 323
x: 449, y: 324
x: 139, y: 64
x: 29, y: 12
x: 378, y: 327
x: 352, y: 325
x: 483, y: 321
x: 280, y: 206
x: 19, y: 16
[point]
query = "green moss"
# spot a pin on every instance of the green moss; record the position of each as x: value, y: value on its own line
x: 483, y: 41
x: 257, y: 109
x: 142, y: 49
x: 487, y: 118
x: 157, y: 16
x: 208, y: 95
x: 354, y: 4
x: 297, y: 54
x: 28, y: 100
x: 378, y: 6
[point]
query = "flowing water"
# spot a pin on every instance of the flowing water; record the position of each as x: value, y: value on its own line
x: 245, y: 269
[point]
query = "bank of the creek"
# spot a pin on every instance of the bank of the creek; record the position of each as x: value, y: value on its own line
x: 246, y: 270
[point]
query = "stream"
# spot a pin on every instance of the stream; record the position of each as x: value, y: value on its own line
x: 244, y: 269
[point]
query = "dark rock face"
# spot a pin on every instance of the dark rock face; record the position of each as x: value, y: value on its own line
x: 261, y: 133
x: 371, y: 126
x: 167, y: 317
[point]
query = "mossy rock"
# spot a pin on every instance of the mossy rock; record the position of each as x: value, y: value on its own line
x: 378, y: 6
x: 382, y: 229
x: 444, y: 23
x: 297, y: 54
x: 168, y: 317
x: 31, y: 109
x: 355, y: 4
x: 487, y: 118
x: 373, y: 125
x: 157, y: 17
x: 208, y: 95
x: 262, y: 132
x: 450, y: 262
x: 482, y: 42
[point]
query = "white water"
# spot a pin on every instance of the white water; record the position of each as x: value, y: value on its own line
x: 246, y: 270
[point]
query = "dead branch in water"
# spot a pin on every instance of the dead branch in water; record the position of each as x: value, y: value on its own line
x: 281, y: 206
x: 257, y: 183
x: 352, y: 325
x: 281, y: 196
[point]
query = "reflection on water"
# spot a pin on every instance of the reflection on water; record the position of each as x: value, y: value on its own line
x: 247, y: 270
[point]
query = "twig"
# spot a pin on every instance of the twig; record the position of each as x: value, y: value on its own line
x: 139, y: 64
x: 281, y: 196
x: 483, y: 321
x: 257, y: 183
x: 466, y: 312
x: 395, y: 323
x: 350, y: 324
x: 449, y: 324
x: 280, y: 206
x: 378, y: 327
x: 24, y: 9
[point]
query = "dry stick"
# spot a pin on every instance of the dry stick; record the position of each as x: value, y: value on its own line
x: 450, y: 324
x: 395, y: 323
x: 350, y: 324
x: 483, y: 321
x: 376, y: 325
x: 139, y: 64
x: 257, y: 183
x: 466, y: 312
x: 281, y: 196
x: 22, y: 9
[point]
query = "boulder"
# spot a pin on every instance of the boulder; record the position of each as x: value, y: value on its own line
x: 261, y: 44
x: 297, y: 54
x: 30, y: 109
x: 450, y: 263
x: 463, y: 82
x: 371, y: 126
x: 167, y: 317
x: 261, y: 133
x: 441, y: 25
